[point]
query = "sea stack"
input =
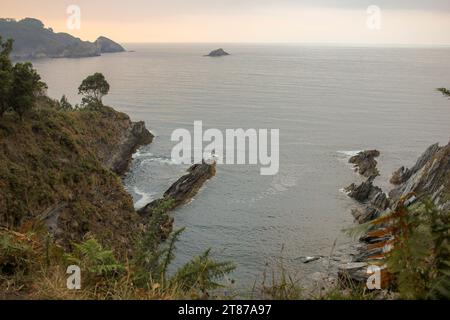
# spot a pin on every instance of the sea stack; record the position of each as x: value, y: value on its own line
x: 218, y: 53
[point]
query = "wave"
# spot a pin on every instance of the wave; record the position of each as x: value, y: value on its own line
x: 350, y: 153
x: 162, y: 160
x: 141, y: 154
x: 145, y: 199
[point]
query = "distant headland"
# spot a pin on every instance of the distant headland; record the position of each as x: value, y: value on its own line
x: 33, y: 40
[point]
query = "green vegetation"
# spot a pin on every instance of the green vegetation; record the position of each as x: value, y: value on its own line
x: 420, y: 259
x: 20, y: 84
x: 31, y: 266
x: 6, y: 78
x: 93, y: 89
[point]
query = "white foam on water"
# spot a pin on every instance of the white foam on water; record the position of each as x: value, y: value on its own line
x: 145, y: 199
x: 141, y: 154
x: 350, y: 153
x: 159, y: 160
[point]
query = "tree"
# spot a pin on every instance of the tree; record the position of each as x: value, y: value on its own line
x: 26, y: 87
x: 93, y: 89
x: 64, y: 104
x: 6, y: 78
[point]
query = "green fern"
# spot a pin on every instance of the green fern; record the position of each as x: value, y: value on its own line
x: 93, y: 258
x: 202, y: 273
x: 420, y: 259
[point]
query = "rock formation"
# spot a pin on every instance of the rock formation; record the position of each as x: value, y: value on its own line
x: 365, y: 163
x: 374, y: 201
x: 184, y: 189
x: 218, y: 53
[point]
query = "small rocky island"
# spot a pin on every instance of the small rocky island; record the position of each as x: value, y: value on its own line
x: 218, y: 53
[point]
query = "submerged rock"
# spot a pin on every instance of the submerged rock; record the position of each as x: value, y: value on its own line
x: 365, y: 163
x: 218, y: 53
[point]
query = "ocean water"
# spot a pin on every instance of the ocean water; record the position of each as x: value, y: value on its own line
x: 328, y: 103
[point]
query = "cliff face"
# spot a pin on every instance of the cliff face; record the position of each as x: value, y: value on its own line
x: 58, y: 170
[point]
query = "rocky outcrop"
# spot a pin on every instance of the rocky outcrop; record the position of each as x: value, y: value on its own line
x: 135, y: 136
x: 428, y: 178
x: 218, y: 53
x: 184, y: 189
x: 106, y: 45
x: 374, y: 201
x: 365, y: 163
x: 403, y: 174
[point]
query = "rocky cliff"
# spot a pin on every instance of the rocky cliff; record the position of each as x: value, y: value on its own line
x: 59, y: 170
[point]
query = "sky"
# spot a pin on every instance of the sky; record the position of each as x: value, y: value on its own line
x: 402, y: 22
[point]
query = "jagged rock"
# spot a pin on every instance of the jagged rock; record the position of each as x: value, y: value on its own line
x: 430, y: 176
x: 366, y: 214
x: 362, y: 192
x: 403, y: 174
x: 374, y: 199
x: 365, y: 163
x: 218, y: 53
x: 184, y: 189
x: 400, y: 176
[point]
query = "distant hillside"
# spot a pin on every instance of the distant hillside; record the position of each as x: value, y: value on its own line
x: 33, y: 40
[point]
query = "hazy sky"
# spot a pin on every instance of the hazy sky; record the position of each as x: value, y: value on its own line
x: 318, y: 21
